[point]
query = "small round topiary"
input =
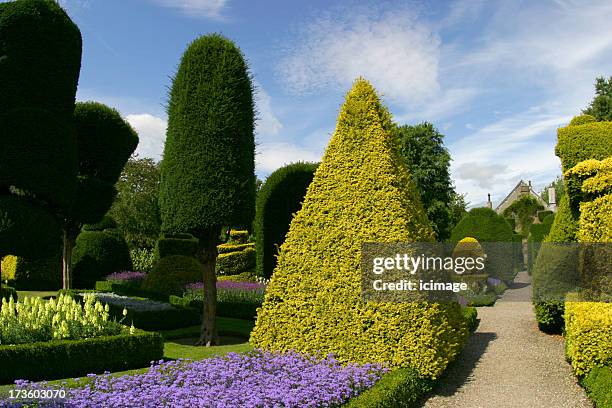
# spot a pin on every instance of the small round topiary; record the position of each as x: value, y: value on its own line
x: 172, y: 273
x: 581, y: 120
x: 97, y: 254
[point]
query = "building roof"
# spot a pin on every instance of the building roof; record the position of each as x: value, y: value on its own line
x: 516, y: 193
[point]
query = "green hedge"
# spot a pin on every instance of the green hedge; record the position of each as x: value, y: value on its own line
x: 97, y: 254
x: 171, y: 273
x: 73, y: 358
x: 6, y: 292
x: 237, y: 310
x: 230, y: 247
x: 234, y: 263
x: 537, y: 234
x: 598, y: 385
x: 399, y: 388
x: 278, y: 200
x: 157, y: 320
x: 543, y: 214
x: 176, y: 244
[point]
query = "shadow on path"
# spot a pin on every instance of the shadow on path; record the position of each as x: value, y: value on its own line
x: 460, y: 370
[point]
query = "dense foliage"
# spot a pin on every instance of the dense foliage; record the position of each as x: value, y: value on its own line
x: 136, y: 207
x: 32, y: 274
x: 524, y: 210
x: 207, y: 175
x: 361, y: 192
x: 70, y: 358
x: 171, y: 273
x: 537, y: 234
x: 39, y: 70
x: 601, y: 106
x: 97, y: 254
x: 422, y: 146
x: 279, y: 198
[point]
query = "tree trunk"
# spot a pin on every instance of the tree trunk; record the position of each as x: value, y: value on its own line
x: 70, y: 234
x: 208, y: 257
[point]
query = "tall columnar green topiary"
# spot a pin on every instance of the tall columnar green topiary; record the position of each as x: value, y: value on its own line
x: 278, y: 200
x: 105, y: 142
x: 40, y: 56
x: 555, y: 268
x: 422, y: 146
x: 207, y: 175
x: 495, y: 235
x: 361, y: 192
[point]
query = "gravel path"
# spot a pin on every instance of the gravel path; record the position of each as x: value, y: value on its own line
x: 509, y: 363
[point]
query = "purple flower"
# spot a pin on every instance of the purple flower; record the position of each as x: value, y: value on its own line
x: 256, y: 379
x: 493, y: 281
x: 126, y: 276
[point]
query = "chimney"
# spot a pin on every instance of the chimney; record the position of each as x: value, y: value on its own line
x: 489, y: 203
x: 552, y: 198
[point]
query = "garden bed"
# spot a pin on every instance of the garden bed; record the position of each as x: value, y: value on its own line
x: 70, y: 358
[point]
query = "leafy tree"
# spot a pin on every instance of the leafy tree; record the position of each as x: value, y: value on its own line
x: 428, y: 160
x: 40, y: 57
x: 136, y: 208
x: 524, y: 210
x: 601, y: 106
x: 208, y: 170
x: 105, y: 141
x: 457, y: 209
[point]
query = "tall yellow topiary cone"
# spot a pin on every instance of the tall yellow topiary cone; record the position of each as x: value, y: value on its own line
x: 361, y: 192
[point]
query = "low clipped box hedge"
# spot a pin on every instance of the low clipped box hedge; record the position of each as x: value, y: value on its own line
x: 237, y: 310
x: 154, y: 320
x: 128, y: 290
x: 234, y: 263
x: 588, y: 334
x: 402, y: 387
x: 72, y: 358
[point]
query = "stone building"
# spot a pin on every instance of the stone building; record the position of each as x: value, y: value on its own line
x: 520, y: 190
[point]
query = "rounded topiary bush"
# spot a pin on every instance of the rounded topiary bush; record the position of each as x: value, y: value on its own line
x: 496, y: 237
x: 172, y: 273
x: 97, y: 254
x: 278, y: 200
x: 582, y: 120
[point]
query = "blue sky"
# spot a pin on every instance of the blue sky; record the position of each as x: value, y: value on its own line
x: 496, y: 77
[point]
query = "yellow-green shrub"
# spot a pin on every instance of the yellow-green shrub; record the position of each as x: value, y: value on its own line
x: 239, y: 236
x: 230, y: 247
x: 361, y: 192
x: 588, y: 179
x: 582, y: 142
x: 233, y: 263
x: 588, y: 335
x: 9, y: 265
x: 596, y: 220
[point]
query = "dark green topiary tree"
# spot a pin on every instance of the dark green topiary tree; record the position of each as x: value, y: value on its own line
x: 207, y: 174
x: 105, y: 143
x: 428, y: 160
x: 97, y: 254
x: 278, y: 200
x: 601, y: 106
x: 40, y: 56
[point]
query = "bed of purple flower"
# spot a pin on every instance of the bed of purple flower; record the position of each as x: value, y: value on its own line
x: 229, y: 291
x: 127, y: 277
x: 256, y: 379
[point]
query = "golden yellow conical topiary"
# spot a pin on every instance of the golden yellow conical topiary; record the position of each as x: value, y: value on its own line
x: 361, y: 192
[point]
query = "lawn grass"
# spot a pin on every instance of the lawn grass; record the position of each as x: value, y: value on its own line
x: 35, y: 293
x: 173, y: 350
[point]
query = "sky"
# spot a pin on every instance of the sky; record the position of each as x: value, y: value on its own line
x: 497, y: 78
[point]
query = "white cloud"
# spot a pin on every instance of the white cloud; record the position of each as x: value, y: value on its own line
x: 212, y: 9
x: 394, y: 50
x: 152, y: 133
x: 274, y: 155
x: 267, y: 122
